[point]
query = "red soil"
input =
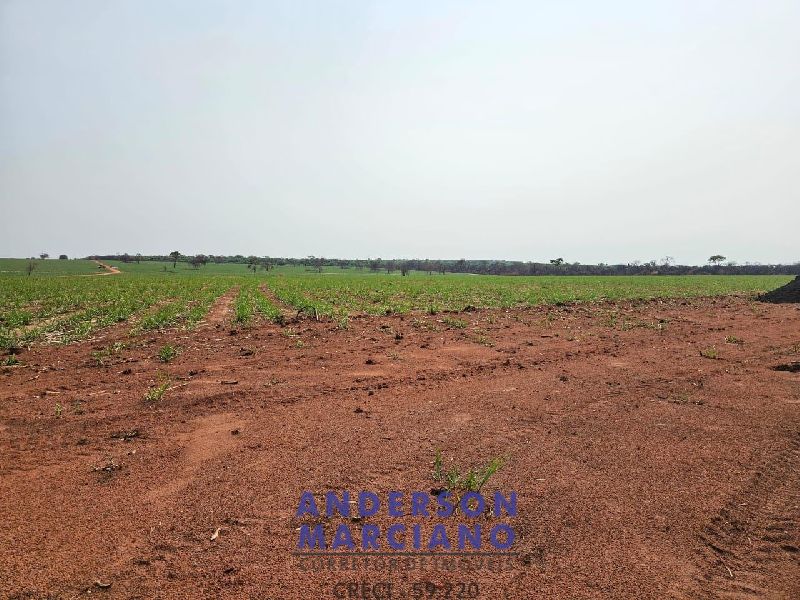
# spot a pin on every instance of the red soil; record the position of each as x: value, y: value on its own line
x: 644, y: 469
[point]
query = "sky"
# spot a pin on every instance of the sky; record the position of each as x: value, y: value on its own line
x: 521, y: 130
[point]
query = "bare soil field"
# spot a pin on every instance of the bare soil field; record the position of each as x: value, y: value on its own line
x: 654, y: 447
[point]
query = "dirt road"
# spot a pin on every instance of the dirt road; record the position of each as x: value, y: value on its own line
x: 109, y: 270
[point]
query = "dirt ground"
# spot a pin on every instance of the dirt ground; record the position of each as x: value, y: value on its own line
x: 654, y: 448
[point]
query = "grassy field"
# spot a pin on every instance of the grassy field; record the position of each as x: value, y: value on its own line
x: 59, y: 304
x: 10, y: 267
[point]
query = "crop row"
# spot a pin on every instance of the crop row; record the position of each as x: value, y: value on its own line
x: 62, y: 309
x: 67, y: 309
x: 251, y: 302
x: 339, y: 296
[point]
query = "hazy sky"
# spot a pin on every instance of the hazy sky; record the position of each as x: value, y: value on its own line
x: 596, y: 131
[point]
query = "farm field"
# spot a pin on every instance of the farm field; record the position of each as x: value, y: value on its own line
x: 158, y: 426
x: 17, y: 267
x: 49, y: 306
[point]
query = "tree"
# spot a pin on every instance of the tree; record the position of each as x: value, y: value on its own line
x: 174, y: 255
x: 63, y: 257
x: 197, y: 261
x: 557, y: 261
x: 44, y: 255
x: 138, y: 257
x: 716, y: 259
x: 252, y: 264
x: 30, y: 267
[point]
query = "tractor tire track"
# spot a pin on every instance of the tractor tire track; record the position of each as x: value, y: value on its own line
x: 752, y: 545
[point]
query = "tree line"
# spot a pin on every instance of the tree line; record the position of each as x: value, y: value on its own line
x: 717, y: 265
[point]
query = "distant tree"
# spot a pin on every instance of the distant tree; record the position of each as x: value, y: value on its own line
x: 716, y: 259
x: 404, y: 268
x: 667, y: 261
x: 138, y: 257
x: 557, y: 261
x: 63, y: 257
x: 126, y: 258
x: 197, y: 261
x: 252, y: 264
x: 174, y: 255
x: 30, y: 267
x: 44, y: 255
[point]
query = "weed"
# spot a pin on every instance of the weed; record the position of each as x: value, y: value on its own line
x: 167, y: 353
x: 483, y: 340
x: 455, y: 323
x: 156, y: 392
x: 471, y: 480
x: 105, y: 355
x: 710, y: 352
x: 59, y: 410
x: 424, y: 325
x: 732, y: 339
x: 10, y: 361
